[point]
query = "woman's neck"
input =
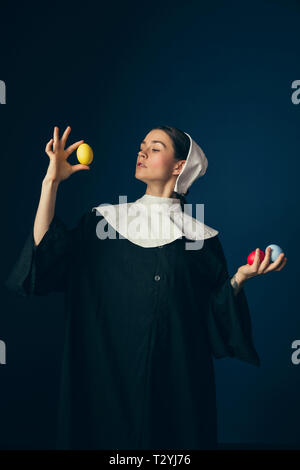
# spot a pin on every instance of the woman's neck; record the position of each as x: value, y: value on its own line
x: 159, y: 193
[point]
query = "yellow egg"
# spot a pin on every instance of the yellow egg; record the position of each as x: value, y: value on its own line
x: 84, y: 154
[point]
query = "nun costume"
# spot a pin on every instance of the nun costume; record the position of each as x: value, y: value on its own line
x: 144, y: 319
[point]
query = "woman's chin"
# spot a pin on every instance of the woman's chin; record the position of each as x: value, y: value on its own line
x: 139, y: 177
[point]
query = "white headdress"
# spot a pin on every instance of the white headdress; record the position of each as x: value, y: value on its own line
x: 194, y: 167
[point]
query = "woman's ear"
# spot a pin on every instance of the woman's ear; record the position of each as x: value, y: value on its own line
x: 178, y: 167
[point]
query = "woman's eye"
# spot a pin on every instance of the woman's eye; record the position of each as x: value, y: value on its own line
x: 155, y: 150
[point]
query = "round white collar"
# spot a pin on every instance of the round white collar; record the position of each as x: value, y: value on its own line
x: 153, y: 221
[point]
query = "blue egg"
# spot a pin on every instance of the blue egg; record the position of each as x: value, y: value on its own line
x: 275, y: 252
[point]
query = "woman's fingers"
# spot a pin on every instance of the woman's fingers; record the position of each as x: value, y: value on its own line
x: 265, y: 261
x: 282, y: 264
x: 276, y: 265
x: 72, y: 147
x: 48, y: 148
x: 65, y: 136
x: 55, y: 138
x: 256, y: 261
x: 79, y: 167
x: 278, y: 261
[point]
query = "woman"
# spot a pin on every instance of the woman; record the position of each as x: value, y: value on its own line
x: 144, y: 315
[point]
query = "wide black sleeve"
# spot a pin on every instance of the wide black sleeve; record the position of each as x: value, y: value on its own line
x: 44, y: 268
x: 229, y: 321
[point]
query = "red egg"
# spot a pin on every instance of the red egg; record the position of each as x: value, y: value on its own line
x: 251, y: 256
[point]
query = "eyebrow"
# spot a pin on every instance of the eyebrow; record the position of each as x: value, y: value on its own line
x: 159, y: 141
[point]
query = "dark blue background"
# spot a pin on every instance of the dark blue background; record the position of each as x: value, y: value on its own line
x: 221, y: 71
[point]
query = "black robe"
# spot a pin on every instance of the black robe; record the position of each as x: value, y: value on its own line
x: 143, y: 326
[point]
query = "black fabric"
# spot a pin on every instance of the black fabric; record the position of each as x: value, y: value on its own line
x: 137, y: 369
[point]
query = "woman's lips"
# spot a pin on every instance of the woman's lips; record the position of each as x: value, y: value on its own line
x: 141, y: 165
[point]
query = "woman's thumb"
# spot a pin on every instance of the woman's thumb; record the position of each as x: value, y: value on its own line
x: 80, y: 167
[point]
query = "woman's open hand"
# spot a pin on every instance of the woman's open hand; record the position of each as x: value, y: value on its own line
x: 59, y: 168
x: 249, y: 270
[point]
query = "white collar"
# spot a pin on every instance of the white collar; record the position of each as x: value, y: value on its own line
x: 153, y: 221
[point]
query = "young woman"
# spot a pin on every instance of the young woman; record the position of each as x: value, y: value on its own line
x: 144, y: 315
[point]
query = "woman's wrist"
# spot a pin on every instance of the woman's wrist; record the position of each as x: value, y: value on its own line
x: 237, y: 282
x: 50, y: 182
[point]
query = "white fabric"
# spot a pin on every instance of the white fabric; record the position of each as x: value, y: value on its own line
x: 157, y: 220
x: 195, y: 166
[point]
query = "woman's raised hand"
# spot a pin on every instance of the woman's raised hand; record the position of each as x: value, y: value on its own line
x: 59, y: 168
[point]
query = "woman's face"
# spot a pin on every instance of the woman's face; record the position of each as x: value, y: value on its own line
x: 155, y: 161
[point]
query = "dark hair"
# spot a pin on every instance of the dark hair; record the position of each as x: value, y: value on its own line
x: 181, y: 145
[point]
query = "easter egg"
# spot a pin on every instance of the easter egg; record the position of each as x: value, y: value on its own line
x: 251, y: 256
x: 84, y: 154
x: 275, y: 252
